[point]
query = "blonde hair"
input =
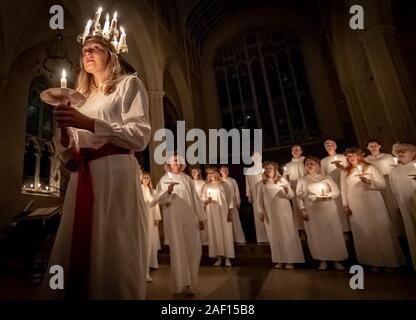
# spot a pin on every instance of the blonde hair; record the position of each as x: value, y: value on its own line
x: 403, y: 145
x: 150, y: 185
x: 277, y: 175
x: 85, y: 81
x: 214, y: 171
x: 360, y: 154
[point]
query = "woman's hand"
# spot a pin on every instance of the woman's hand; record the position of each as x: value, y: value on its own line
x: 286, y: 189
x: 67, y: 116
x: 209, y: 200
x: 230, y: 215
x: 201, y: 225
x: 365, y: 180
x: 347, y: 210
x: 339, y: 165
x: 170, y: 188
x: 304, y: 214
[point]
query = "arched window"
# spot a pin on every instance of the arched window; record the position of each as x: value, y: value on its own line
x: 40, y: 169
x: 262, y: 83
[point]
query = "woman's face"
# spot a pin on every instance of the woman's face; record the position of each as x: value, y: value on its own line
x: 374, y: 147
x: 224, y: 172
x: 296, y: 152
x: 270, y: 171
x: 195, y: 173
x: 405, y: 156
x: 312, y: 166
x: 353, y: 159
x: 330, y: 146
x: 94, y: 57
x: 146, y: 180
x: 211, y: 176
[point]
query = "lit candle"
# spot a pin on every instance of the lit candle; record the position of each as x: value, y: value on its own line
x: 31, y: 186
x: 262, y: 171
x: 47, y: 188
x: 39, y: 185
x: 115, y: 43
x: 86, y: 30
x: 24, y: 186
x: 106, y: 29
x: 97, y: 18
x: 63, y: 79
x: 335, y: 158
x: 323, y: 192
x: 122, y: 43
x: 285, y: 169
x: 396, y: 161
x: 360, y: 169
x: 113, y: 26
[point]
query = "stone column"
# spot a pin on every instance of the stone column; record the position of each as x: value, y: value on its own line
x: 391, y: 81
x: 157, y: 122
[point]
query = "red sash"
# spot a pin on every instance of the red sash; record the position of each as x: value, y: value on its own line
x: 78, y: 276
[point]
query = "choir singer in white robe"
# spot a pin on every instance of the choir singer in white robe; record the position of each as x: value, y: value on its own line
x: 316, y: 193
x: 184, y: 217
x: 403, y: 184
x: 199, y: 183
x: 375, y: 241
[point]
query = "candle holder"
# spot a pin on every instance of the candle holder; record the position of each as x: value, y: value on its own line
x: 336, y: 161
x: 175, y: 183
x: 61, y: 96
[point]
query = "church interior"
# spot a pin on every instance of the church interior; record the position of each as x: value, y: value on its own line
x: 294, y: 68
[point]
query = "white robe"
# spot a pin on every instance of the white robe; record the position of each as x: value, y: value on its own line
x: 119, y: 240
x: 404, y: 188
x: 323, y: 228
x: 274, y: 203
x: 220, y: 230
x: 384, y: 163
x: 295, y: 170
x: 203, y: 233
x: 251, y: 181
x: 182, y: 211
x: 238, y: 232
x: 331, y: 170
x: 154, y: 216
x: 374, y: 239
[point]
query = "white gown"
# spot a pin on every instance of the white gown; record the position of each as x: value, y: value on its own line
x: 154, y: 215
x: 295, y: 171
x: 204, y: 233
x: 182, y: 211
x: 118, y: 259
x: 238, y: 232
x: 384, y: 163
x: 404, y: 188
x: 375, y: 241
x: 220, y: 231
x: 323, y: 229
x: 285, y: 243
x: 251, y: 181
x: 331, y: 170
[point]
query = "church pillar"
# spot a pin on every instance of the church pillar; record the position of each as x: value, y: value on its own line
x: 390, y: 79
x: 157, y: 122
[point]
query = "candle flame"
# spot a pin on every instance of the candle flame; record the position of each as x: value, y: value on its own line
x: 122, y: 30
x: 100, y: 9
x: 115, y: 15
x: 63, y: 74
x: 89, y: 23
x: 107, y: 17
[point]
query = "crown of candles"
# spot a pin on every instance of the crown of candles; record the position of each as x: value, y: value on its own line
x: 109, y: 33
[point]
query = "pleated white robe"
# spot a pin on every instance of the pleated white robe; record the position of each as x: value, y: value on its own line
x: 220, y: 230
x: 154, y: 216
x: 330, y: 169
x: 203, y: 233
x: 182, y: 211
x: 375, y: 241
x: 119, y: 246
x: 251, y: 192
x: 295, y: 170
x: 274, y: 203
x: 404, y: 188
x: 385, y: 163
x: 323, y: 228
x: 238, y: 232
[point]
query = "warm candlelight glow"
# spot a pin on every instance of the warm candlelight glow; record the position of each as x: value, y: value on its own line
x: 360, y: 169
x: 122, y: 43
x: 97, y: 17
x: 47, y: 187
x: 335, y: 158
x: 396, y: 161
x: 39, y: 185
x: 31, y: 186
x: 106, y: 29
x: 63, y: 79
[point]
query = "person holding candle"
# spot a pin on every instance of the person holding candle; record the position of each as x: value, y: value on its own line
x: 184, y: 215
x: 274, y: 194
x: 332, y: 165
x: 385, y: 163
x: 316, y: 192
x: 102, y: 241
x: 219, y: 205
x: 375, y: 241
x: 403, y: 187
x: 238, y: 232
x: 199, y: 184
x: 154, y: 219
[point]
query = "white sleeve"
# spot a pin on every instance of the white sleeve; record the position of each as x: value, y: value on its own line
x: 377, y: 180
x: 237, y: 193
x: 196, y: 199
x: 334, y: 193
x: 301, y: 193
x: 66, y: 153
x: 134, y: 133
x: 161, y: 196
x: 344, y: 191
x: 248, y: 189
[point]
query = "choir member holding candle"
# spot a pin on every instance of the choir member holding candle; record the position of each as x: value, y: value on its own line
x: 375, y: 241
x: 184, y: 216
x: 384, y: 163
x: 316, y: 192
x: 219, y: 207
x: 154, y: 217
x: 332, y: 165
x: 274, y: 193
x: 403, y: 185
x: 199, y: 183
x: 238, y: 232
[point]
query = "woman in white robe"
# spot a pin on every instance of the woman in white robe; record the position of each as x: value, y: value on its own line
x: 403, y: 185
x: 218, y: 205
x: 238, y: 232
x: 375, y: 241
x: 385, y: 163
x: 274, y: 194
x: 104, y: 255
x: 185, y: 216
x: 199, y: 183
x: 316, y: 193
x: 154, y: 218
